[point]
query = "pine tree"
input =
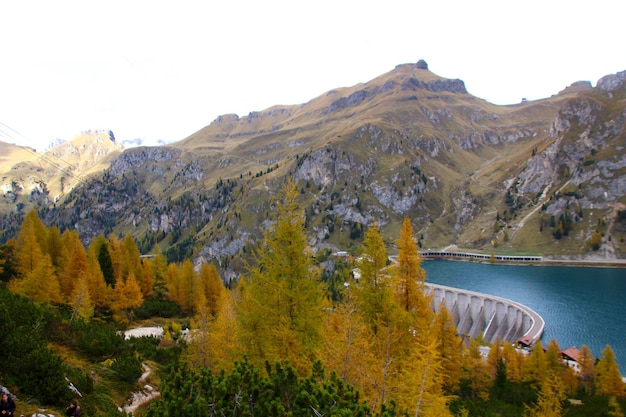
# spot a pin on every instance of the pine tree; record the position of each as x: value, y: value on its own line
x: 99, y: 247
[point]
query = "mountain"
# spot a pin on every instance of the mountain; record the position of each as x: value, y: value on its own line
x: 41, y: 179
x: 545, y: 176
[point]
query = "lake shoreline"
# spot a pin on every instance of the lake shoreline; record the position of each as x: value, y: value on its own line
x: 613, y: 263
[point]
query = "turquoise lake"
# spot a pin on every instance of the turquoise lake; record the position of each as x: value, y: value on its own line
x: 580, y: 305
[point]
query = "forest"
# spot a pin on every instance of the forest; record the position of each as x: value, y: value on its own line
x: 288, y: 338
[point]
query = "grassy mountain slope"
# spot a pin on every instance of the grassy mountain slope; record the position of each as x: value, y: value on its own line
x: 407, y: 143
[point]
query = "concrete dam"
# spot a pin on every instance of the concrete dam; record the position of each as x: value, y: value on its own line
x: 493, y: 318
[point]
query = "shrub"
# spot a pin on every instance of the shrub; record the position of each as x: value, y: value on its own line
x: 97, y: 341
x: 157, y: 308
x: 127, y: 367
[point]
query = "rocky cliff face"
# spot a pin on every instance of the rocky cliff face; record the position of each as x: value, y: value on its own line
x: 538, y: 177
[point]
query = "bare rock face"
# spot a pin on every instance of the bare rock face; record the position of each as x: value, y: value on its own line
x: 421, y: 64
x: 612, y: 82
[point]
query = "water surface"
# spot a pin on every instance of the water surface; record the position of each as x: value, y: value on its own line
x: 580, y: 305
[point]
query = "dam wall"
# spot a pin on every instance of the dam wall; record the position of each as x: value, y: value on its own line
x: 493, y: 318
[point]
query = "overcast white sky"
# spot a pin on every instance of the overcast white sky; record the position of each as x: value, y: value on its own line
x: 163, y: 70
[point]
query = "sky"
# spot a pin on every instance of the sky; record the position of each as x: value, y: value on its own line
x: 161, y: 70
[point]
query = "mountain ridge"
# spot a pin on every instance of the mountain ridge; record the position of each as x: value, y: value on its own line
x: 406, y: 143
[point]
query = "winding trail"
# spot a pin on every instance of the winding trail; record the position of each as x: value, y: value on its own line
x: 147, y: 393
x: 144, y: 396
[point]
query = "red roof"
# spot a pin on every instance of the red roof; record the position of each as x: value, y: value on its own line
x: 526, y: 340
x: 572, y: 353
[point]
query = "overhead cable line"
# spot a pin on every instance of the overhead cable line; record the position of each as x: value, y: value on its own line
x: 45, y: 157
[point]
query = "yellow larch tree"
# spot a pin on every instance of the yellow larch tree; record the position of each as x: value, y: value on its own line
x: 554, y: 362
x: 56, y: 250
x: 126, y: 296
x: 131, y: 259
x: 115, y: 250
x: 213, y: 340
x: 40, y: 285
x: 159, y: 268
x: 211, y: 286
x: 347, y: 349
x: 390, y: 345
x: 586, y: 361
x: 614, y: 408
x: 550, y: 399
x: 172, y: 282
x: 534, y: 367
x: 571, y: 381
x: 513, y: 360
x: 76, y: 268
x: 98, y: 290
x: 372, y: 290
x: 423, y: 394
x: 29, y: 246
x: 188, y: 286
x: 409, y: 280
x: 608, y: 380
x: 80, y: 300
x: 284, y: 289
x: 494, y: 357
x: 199, y: 348
x: 222, y: 336
x: 475, y: 370
x: 449, y: 348
x: 149, y: 275
x: 210, y: 295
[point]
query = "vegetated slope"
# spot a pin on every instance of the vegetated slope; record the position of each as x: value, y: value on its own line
x: 407, y: 143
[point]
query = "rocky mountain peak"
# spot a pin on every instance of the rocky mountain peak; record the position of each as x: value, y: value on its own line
x: 421, y: 64
x: 612, y: 82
